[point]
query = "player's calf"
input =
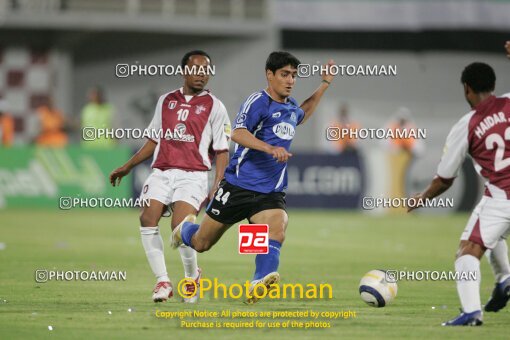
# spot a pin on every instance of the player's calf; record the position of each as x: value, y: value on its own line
x: 201, y: 245
x: 276, y: 219
x: 201, y: 237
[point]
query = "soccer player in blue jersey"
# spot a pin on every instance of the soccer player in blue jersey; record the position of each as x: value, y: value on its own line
x: 255, y: 179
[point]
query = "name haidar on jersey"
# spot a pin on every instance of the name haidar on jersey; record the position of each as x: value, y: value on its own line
x: 484, y: 134
x: 488, y: 122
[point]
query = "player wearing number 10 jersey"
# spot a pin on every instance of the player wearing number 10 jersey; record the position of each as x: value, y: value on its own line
x: 190, y: 127
x: 484, y: 134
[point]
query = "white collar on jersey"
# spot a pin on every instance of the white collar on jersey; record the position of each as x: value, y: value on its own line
x: 286, y: 98
x: 203, y: 93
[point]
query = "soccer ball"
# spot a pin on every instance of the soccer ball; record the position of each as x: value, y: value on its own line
x: 375, y: 290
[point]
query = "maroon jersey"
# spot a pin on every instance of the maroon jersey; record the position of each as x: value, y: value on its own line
x: 484, y: 134
x: 188, y: 131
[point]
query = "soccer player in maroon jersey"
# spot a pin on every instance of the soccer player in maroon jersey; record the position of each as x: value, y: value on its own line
x: 484, y: 134
x: 192, y: 127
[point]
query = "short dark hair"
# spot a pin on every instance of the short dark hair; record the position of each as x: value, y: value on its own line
x: 480, y: 77
x: 184, y: 60
x: 279, y: 59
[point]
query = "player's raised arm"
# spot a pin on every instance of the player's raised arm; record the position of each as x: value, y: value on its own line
x: 145, y: 152
x: 311, y: 103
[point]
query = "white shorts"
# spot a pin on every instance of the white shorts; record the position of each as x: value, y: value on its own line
x: 174, y: 185
x: 489, y: 222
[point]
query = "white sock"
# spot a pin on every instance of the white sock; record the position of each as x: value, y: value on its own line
x: 189, y: 261
x: 153, y: 245
x: 469, y: 290
x: 498, y: 259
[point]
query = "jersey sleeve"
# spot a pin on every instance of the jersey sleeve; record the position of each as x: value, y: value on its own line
x: 155, y: 125
x: 507, y: 95
x: 251, y: 113
x: 301, y: 116
x: 221, y: 128
x: 455, y: 149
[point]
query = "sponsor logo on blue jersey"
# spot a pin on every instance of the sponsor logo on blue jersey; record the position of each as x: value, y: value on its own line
x: 284, y: 130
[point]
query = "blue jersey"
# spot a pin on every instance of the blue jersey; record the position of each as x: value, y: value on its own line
x: 271, y: 122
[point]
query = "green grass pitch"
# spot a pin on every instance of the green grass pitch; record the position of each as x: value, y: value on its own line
x: 331, y: 247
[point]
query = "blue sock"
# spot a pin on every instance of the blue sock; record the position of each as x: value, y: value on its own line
x: 187, y: 231
x: 267, y: 263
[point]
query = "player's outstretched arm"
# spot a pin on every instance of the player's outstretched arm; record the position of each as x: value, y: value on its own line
x: 145, y: 152
x: 435, y: 188
x: 311, y: 103
x: 245, y: 138
x: 454, y: 153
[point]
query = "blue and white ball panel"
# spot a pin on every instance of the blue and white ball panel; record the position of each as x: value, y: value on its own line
x: 375, y: 290
x: 371, y: 296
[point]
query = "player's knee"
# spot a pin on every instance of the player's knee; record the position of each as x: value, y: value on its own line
x: 201, y: 244
x: 146, y: 220
x: 470, y: 248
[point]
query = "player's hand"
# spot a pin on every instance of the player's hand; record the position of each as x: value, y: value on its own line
x: 117, y: 174
x: 416, y: 198
x: 507, y: 47
x: 280, y: 154
x: 328, y: 75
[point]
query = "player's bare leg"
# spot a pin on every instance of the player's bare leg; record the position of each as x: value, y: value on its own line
x: 209, y: 232
x: 182, y: 209
x: 153, y: 245
x: 200, y: 237
x: 468, y: 261
x: 266, y: 265
x: 277, y: 219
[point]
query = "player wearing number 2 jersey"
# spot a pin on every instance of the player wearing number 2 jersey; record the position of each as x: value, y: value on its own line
x: 484, y: 134
x: 190, y: 127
